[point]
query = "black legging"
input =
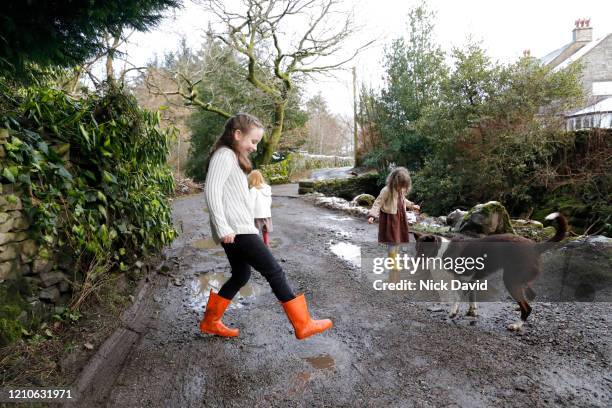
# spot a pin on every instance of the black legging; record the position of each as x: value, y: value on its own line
x: 249, y: 250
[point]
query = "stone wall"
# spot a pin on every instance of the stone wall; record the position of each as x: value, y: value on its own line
x: 597, y: 63
x: 30, y: 283
x: 347, y: 188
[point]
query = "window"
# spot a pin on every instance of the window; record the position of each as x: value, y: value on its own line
x: 602, y: 88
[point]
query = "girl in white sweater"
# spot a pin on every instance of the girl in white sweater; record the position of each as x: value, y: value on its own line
x: 261, y: 193
x: 232, y: 223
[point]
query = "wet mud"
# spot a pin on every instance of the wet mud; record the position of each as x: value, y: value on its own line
x: 385, y: 349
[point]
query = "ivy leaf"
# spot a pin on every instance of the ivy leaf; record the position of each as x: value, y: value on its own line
x: 108, y: 177
x: 85, y: 133
x: 8, y: 175
x: 64, y: 173
x: 44, y: 147
x: 103, y: 211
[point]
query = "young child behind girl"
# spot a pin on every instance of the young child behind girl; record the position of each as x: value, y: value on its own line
x: 390, y: 208
x: 261, y: 194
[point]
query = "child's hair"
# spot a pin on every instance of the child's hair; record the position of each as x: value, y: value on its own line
x: 243, y: 122
x: 398, y: 179
x: 256, y: 179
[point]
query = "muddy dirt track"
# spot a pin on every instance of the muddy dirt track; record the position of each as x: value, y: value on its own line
x: 382, y: 351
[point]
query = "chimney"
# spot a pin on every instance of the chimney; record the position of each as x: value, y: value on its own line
x: 583, y: 32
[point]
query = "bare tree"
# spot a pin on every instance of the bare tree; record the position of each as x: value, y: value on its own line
x: 264, y: 31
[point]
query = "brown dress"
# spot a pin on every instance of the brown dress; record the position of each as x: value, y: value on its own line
x: 393, y: 228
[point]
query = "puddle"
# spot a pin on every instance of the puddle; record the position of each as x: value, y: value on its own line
x: 205, y: 244
x: 277, y: 205
x: 275, y: 242
x: 219, y: 253
x: 203, y: 283
x: 347, y: 252
x: 338, y: 218
x: 300, y: 382
x: 321, y: 362
x: 206, y: 210
x: 341, y: 233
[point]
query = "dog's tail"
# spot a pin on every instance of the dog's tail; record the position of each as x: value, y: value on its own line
x: 560, y: 226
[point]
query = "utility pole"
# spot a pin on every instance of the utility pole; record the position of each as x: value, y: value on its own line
x: 355, y: 114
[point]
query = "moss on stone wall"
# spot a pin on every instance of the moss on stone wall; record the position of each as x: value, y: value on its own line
x: 347, y: 188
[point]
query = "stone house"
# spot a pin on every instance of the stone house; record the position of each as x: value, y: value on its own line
x: 596, y: 59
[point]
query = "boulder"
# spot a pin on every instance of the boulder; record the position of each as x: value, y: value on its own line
x: 51, y: 278
x: 50, y: 294
x: 364, y: 200
x: 454, y: 218
x: 488, y: 218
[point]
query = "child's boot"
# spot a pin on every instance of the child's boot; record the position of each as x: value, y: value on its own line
x: 211, y: 322
x: 304, y: 325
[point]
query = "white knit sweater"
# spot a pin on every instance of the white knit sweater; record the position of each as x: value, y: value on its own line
x: 262, y: 201
x: 227, y: 196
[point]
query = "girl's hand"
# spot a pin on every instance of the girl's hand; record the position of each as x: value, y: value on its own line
x: 370, y: 220
x: 228, y: 239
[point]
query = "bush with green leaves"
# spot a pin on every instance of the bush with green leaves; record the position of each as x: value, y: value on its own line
x: 106, y: 204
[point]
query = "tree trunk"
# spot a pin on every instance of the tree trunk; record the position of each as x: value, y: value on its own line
x: 277, y: 130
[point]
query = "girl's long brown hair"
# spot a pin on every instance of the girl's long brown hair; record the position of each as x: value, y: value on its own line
x: 399, y: 179
x: 243, y: 122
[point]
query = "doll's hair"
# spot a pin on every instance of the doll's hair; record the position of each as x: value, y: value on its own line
x: 256, y: 179
x: 243, y: 122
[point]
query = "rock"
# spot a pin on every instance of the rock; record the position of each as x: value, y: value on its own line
x: 364, y: 200
x: 488, y: 218
x: 10, y: 204
x: 20, y: 223
x: 64, y: 286
x: 8, y: 270
x: 51, y: 278
x: 33, y: 281
x: 50, y: 294
x: 42, y: 265
x: 599, y: 239
x: 28, y: 250
x: 521, y: 223
x: 7, y: 237
x: 305, y: 190
x: 88, y: 346
x: 454, y: 218
x: 9, y: 251
x: 6, y: 222
x: 306, y: 183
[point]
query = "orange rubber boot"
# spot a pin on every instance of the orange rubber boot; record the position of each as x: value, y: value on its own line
x: 304, y: 325
x: 211, y: 323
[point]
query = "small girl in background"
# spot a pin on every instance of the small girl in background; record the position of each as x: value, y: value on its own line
x: 261, y: 194
x: 390, y: 208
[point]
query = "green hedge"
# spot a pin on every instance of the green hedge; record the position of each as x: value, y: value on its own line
x: 106, y: 206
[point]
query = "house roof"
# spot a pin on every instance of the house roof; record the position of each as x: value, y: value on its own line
x: 604, y: 105
x: 578, y: 54
x: 548, y: 58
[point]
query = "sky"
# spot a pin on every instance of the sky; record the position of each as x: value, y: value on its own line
x: 505, y: 28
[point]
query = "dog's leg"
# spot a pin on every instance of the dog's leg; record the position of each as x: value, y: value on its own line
x: 472, y: 309
x: 454, y: 310
x: 529, y: 293
x: 525, y: 312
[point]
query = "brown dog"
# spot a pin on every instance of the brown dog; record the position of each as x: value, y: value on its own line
x: 519, y: 261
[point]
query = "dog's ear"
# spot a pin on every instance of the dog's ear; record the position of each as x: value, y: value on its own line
x: 417, y: 236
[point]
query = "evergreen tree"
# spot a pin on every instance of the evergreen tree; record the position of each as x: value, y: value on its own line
x: 67, y: 32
